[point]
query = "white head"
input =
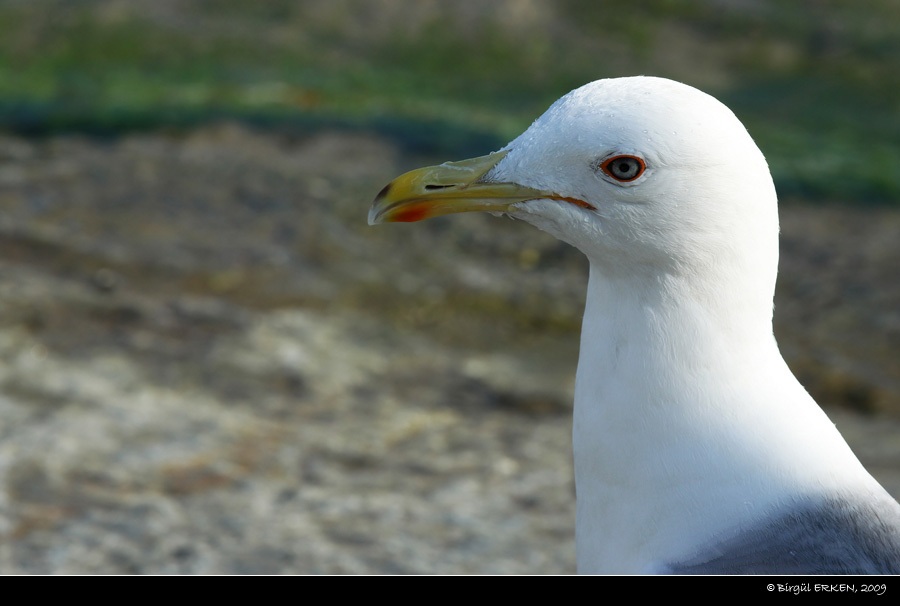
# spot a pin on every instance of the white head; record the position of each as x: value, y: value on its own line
x: 705, y: 193
x: 690, y: 194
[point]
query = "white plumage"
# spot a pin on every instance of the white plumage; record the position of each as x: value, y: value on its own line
x: 696, y: 449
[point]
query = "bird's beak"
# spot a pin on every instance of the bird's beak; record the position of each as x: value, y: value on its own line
x: 452, y: 187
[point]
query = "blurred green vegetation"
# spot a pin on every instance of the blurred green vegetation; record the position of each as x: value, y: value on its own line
x: 817, y: 82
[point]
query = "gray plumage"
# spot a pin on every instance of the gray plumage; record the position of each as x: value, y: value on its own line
x: 826, y: 536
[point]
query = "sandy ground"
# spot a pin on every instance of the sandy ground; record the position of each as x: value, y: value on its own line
x: 210, y: 364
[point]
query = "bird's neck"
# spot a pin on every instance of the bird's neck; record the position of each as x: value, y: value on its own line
x: 665, y: 338
x: 679, y: 395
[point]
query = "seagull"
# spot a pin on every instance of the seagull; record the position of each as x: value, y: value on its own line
x: 696, y: 450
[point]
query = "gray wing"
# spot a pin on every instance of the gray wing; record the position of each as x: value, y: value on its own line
x: 827, y: 536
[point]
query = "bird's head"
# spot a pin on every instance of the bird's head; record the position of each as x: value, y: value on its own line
x: 636, y: 172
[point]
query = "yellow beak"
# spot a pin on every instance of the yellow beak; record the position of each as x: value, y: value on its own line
x: 451, y: 187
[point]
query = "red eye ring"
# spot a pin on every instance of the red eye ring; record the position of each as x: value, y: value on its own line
x: 624, y: 168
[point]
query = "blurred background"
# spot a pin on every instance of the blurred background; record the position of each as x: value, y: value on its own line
x: 209, y: 363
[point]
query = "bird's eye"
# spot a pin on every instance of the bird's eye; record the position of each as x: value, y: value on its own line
x: 623, y: 168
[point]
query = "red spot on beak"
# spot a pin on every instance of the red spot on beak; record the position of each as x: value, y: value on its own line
x: 411, y: 214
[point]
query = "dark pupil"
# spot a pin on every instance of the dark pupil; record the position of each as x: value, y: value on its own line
x: 624, y: 168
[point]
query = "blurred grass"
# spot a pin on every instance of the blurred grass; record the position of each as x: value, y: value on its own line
x: 816, y: 82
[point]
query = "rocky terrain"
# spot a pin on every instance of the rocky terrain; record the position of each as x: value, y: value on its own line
x: 210, y: 364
